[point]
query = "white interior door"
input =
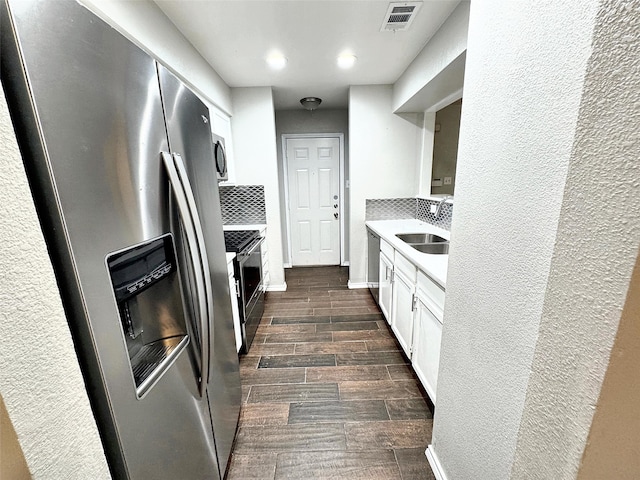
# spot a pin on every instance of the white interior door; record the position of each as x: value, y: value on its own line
x: 313, y: 172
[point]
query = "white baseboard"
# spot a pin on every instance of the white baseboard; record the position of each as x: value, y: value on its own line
x: 277, y: 288
x: 353, y: 285
x: 432, y: 458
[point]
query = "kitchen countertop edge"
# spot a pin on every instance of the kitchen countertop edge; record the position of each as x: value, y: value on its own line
x: 434, y: 266
x: 251, y: 226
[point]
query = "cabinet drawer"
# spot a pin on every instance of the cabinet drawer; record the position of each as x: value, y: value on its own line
x: 407, y: 268
x: 432, y: 294
x: 387, y: 249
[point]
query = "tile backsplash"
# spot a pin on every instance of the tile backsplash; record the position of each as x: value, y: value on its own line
x: 423, y: 213
x: 399, y: 208
x: 390, y: 208
x: 243, y: 204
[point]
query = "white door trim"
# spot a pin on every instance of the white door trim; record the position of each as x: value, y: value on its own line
x: 340, y: 137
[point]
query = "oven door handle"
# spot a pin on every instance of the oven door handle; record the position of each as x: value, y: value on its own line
x: 254, y: 247
x: 193, y: 230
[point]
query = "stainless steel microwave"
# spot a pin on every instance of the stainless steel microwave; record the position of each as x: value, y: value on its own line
x: 220, y: 158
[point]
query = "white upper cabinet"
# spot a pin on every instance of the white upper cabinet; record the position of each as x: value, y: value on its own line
x: 221, y: 126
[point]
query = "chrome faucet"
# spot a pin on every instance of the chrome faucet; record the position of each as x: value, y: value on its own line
x: 441, y: 204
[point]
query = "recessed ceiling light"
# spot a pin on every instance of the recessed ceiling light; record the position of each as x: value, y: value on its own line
x: 277, y: 61
x: 346, y: 60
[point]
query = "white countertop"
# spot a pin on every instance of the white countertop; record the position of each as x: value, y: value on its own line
x: 434, y: 266
x: 254, y: 226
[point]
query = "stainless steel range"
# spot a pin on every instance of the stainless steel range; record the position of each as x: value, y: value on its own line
x: 247, y: 245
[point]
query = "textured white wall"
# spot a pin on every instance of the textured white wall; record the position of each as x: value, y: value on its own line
x: 425, y: 166
x: 145, y: 24
x: 523, y: 84
x: 384, y: 156
x: 320, y: 121
x: 256, y: 163
x: 597, y: 242
x: 447, y: 44
x: 40, y: 379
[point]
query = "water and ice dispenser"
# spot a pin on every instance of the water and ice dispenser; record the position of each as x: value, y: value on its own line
x: 146, y: 285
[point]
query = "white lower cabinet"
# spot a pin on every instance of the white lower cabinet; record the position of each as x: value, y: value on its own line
x: 413, y: 305
x: 427, y: 334
x: 385, y: 286
x: 403, y: 302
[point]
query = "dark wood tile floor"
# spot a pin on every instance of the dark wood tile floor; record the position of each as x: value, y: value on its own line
x: 327, y: 393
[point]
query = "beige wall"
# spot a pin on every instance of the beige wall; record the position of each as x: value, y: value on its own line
x: 13, y: 466
x: 612, y: 446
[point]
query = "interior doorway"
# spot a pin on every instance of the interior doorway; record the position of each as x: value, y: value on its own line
x: 314, y: 197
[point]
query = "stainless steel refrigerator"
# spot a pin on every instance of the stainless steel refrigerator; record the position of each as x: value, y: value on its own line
x: 120, y: 160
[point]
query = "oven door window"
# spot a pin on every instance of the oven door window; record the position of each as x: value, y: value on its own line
x: 251, y: 267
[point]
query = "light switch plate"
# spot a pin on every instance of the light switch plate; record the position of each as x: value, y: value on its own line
x: 447, y: 180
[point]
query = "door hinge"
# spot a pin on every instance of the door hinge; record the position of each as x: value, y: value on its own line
x: 414, y: 302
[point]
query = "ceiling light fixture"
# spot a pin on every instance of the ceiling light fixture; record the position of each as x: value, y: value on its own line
x: 310, y: 103
x: 277, y: 61
x: 346, y: 60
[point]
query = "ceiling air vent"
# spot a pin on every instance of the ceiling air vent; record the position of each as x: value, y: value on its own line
x: 400, y: 15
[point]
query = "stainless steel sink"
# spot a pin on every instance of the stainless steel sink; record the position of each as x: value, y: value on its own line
x: 420, y: 238
x: 432, y: 248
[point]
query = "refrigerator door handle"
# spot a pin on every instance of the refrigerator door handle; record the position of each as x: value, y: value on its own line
x: 204, y: 259
x: 196, y: 254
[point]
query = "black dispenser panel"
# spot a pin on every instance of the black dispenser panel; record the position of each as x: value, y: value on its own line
x: 147, y: 290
